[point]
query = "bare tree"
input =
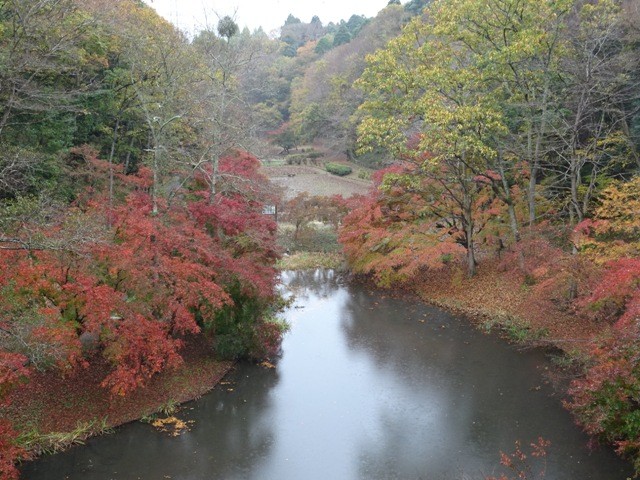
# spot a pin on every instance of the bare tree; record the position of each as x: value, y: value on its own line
x: 598, y: 101
x: 41, y: 41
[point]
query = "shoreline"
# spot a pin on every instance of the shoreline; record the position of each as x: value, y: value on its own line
x: 54, y: 413
x: 72, y: 421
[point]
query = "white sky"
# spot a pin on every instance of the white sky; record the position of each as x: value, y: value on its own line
x: 192, y: 15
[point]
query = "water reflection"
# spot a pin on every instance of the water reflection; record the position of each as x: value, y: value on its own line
x: 230, y: 431
x: 302, y: 284
x: 458, y: 396
x: 368, y: 387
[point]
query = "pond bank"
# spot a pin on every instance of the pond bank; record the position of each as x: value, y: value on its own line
x: 52, y: 412
x: 369, y: 385
x: 500, y: 299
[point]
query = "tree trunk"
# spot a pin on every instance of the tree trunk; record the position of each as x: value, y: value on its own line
x: 467, y: 219
x: 535, y: 161
x: 471, y: 259
x: 215, y: 165
x: 111, y: 154
x: 576, y: 211
x: 508, y: 199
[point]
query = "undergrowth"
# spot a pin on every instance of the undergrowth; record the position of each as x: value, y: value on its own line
x: 47, y: 443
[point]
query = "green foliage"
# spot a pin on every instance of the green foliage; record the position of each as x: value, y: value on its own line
x: 317, y: 238
x: 355, y: 24
x: 296, y: 159
x: 303, y: 157
x: 236, y: 327
x: 342, y: 36
x: 227, y: 28
x: 289, y: 50
x: 324, y: 45
x: 516, y: 329
x: 291, y: 20
x: 28, y: 172
x: 338, y: 169
x: 415, y: 7
x: 376, y: 158
x: 53, y: 442
x: 311, y: 122
x: 285, y: 137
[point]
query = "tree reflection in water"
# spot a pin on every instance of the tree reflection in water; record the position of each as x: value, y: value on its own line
x: 368, y: 387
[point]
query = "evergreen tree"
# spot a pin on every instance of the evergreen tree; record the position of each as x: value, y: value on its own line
x: 324, y: 45
x: 291, y: 20
x: 342, y: 36
x: 416, y: 7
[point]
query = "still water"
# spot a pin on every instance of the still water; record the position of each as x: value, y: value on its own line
x: 368, y: 387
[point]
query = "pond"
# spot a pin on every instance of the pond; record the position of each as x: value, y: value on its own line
x: 368, y: 387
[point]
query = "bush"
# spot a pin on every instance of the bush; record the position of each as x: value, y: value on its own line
x: 296, y: 159
x: 317, y: 240
x: 605, y: 400
x: 303, y: 157
x: 338, y: 169
x: 244, y: 328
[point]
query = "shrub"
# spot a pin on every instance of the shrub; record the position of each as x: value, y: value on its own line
x: 296, y: 159
x: 338, y: 169
x: 303, y: 157
x: 605, y: 401
x: 244, y: 328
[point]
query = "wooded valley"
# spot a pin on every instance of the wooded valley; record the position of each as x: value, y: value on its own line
x: 497, y: 135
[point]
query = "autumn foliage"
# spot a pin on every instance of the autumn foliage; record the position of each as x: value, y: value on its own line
x: 394, y: 234
x: 135, y: 285
x: 614, y: 232
x: 409, y: 222
x: 522, y: 463
x: 606, y: 399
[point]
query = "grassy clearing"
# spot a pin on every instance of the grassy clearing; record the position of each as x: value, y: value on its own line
x: 314, y: 180
x: 273, y: 162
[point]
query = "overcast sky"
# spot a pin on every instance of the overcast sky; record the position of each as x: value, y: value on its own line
x: 193, y: 15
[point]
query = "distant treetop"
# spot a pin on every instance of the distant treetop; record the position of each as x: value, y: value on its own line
x: 414, y: 7
x: 227, y: 28
x: 291, y: 20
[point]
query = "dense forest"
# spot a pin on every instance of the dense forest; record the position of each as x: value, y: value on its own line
x: 132, y: 200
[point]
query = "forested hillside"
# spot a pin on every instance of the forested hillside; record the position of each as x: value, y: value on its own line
x: 514, y: 130
x: 131, y: 215
x: 506, y: 135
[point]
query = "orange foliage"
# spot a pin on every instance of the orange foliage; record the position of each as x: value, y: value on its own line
x: 143, y: 282
x: 412, y: 222
x: 390, y: 235
x: 614, y: 232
